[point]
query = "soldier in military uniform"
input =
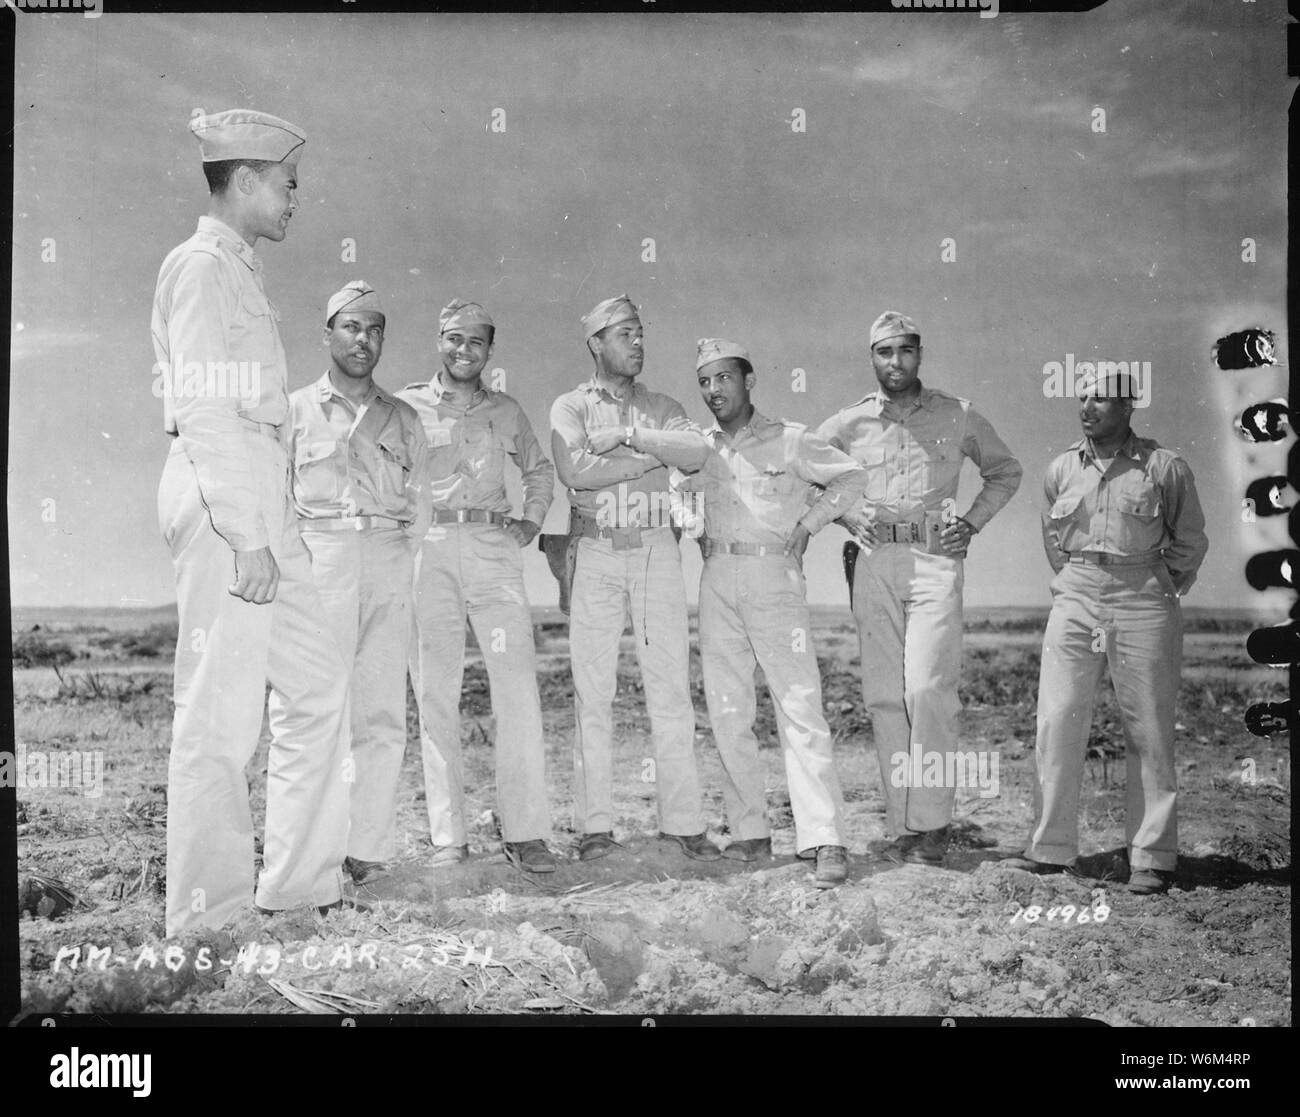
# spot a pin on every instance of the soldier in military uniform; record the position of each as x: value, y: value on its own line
x: 471, y: 566
x: 907, y: 582
x: 359, y: 461
x: 1125, y: 536
x: 768, y: 487
x: 613, y: 442
x: 249, y: 610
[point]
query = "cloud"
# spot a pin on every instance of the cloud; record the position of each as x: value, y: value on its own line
x: 32, y: 342
x: 893, y: 68
x: 950, y: 73
x: 1180, y: 161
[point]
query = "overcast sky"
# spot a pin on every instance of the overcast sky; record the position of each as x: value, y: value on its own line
x: 1122, y: 244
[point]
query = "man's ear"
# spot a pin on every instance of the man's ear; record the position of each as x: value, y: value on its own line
x: 751, y: 378
x: 244, y: 178
x: 325, y: 337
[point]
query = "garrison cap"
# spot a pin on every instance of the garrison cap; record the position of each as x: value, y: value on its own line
x: 357, y: 295
x: 710, y: 349
x: 1107, y: 382
x: 892, y: 324
x: 245, y: 134
x: 606, y: 313
x: 461, y: 312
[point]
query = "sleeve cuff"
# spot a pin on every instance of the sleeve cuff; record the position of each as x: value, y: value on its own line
x: 813, y: 524
x: 244, y: 534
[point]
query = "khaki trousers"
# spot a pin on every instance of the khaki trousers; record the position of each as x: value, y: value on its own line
x: 1127, y: 617
x: 753, y: 610
x: 475, y: 572
x: 908, y: 609
x: 364, y: 581
x: 227, y: 652
x: 645, y: 581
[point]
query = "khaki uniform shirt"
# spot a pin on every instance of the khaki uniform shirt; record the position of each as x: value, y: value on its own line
x: 630, y: 478
x: 1142, y: 501
x: 222, y: 370
x: 913, y: 454
x: 468, y: 448
x: 760, y: 484
x: 366, y: 461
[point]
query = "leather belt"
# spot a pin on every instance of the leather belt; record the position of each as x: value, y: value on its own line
x: 623, y: 538
x: 347, y: 523
x: 1101, y: 558
x: 900, y: 533
x: 471, y: 516
x: 717, y: 547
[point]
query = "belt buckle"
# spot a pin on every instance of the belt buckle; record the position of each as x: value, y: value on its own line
x: 627, y: 538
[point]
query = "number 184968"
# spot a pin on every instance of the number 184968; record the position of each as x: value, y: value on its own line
x: 1097, y: 912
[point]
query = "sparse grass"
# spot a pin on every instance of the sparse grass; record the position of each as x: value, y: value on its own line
x: 130, y: 721
x: 32, y: 649
x: 58, y: 646
x: 1228, y: 918
x: 999, y: 676
x: 101, y: 685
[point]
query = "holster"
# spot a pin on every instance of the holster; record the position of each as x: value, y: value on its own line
x: 849, y: 557
x: 561, y: 553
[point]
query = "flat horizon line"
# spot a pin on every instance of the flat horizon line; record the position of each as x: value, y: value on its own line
x: 36, y: 612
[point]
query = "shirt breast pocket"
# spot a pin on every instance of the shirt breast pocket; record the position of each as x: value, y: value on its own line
x: 1140, y: 522
x: 873, y: 461
x: 442, y: 452
x: 941, y: 462
x: 481, y: 453
x: 315, y: 472
x: 1064, y: 509
x: 394, y: 465
x: 1145, y: 506
x: 1067, y: 517
x: 254, y: 331
x: 775, y: 484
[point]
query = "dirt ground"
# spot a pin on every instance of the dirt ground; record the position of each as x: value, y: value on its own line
x: 645, y: 931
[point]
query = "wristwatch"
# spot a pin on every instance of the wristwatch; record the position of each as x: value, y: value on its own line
x: 628, y: 432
